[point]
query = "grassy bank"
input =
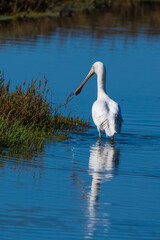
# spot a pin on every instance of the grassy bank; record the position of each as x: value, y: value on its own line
x: 27, y: 118
x: 33, y: 8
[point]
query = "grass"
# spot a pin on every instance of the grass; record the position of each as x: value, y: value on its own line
x: 27, y: 118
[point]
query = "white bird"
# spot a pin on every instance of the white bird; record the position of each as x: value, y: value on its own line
x: 106, y: 113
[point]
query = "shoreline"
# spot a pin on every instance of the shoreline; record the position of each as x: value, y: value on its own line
x: 69, y: 9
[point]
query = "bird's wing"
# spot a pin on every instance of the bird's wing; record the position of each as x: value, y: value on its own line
x: 101, y: 116
x: 107, y: 117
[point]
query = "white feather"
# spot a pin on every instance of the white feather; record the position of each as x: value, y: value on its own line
x: 107, y: 116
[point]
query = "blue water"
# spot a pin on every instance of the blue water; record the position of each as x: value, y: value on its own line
x: 83, y: 188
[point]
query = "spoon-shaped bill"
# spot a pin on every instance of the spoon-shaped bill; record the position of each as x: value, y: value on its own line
x: 90, y: 74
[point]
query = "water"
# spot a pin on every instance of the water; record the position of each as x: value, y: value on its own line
x: 84, y: 188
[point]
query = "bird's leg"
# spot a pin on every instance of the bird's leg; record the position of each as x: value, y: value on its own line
x: 100, y: 136
x: 112, y: 139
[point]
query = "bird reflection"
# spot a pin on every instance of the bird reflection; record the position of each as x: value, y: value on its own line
x: 103, y: 161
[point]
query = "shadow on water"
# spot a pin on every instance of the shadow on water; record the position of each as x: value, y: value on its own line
x: 104, y: 157
x: 103, y: 162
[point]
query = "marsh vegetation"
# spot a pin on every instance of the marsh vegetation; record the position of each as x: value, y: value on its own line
x: 27, y: 117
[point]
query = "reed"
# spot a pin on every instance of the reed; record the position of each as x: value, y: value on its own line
x: 27, y: 118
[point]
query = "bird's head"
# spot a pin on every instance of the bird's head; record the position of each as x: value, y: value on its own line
x: 98, y: 68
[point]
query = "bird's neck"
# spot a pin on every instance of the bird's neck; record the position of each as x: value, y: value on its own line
x: 101, y: 82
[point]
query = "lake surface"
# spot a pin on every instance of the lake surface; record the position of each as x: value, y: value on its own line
x: 84, y: 188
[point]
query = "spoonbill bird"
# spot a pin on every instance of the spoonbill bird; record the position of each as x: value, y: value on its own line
x: 106, y: 113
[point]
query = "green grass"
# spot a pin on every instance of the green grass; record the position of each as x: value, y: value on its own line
x: 17, y: 136
x: 27, y: 118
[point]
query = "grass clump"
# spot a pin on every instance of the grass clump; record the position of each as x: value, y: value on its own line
x: 27, y: 118
x: 25, y: 106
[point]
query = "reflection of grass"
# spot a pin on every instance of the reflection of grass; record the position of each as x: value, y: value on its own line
x: 34, y: 8
x: 27, y: 118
